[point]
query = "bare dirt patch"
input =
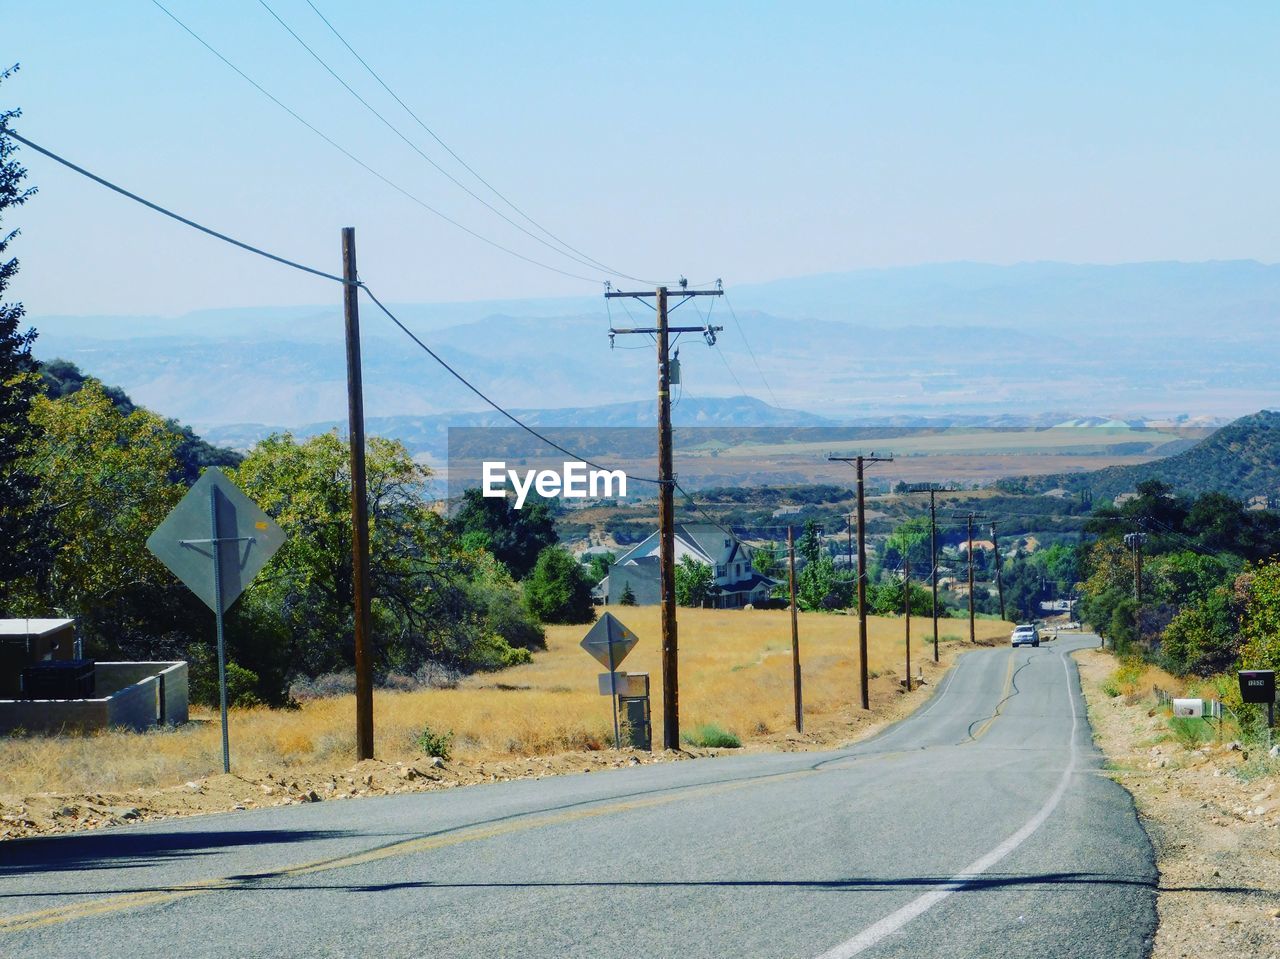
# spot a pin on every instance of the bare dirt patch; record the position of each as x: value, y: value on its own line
x: 1213, y: 814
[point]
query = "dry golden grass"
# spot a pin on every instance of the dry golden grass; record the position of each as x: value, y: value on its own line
x: 735, y: 671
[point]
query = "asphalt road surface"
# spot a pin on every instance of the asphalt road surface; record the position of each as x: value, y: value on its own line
x: 981, y: 826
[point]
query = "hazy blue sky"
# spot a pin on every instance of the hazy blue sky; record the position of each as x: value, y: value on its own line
x: 743, y: 140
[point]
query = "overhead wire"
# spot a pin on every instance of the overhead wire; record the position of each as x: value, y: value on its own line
x: 580, y: 259
x: 293, y: 264
x: 742, y: 332
x: 361, y: 163
x: 463, y: 163
x: 7, y: 131
x: 481, y: 394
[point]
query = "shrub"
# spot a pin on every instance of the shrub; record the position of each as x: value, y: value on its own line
x: 1128, y: 675
x: 1189, y: 732
x: 495, y: 653
x: 711, y: 736
x: 558, y: 590
x: 435, y: 744
x: 242, y: 684
x: 1111, y: 687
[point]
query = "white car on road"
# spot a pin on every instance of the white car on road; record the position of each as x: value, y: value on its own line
x: 1028, y: 634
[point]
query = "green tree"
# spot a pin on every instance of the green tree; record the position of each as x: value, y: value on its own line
x: 558, y: 590
x: 25, y: 546
x: 909, y: 540
x: 628, y: 597
x: 1261, y: 620
x: 105, y: 477
x: 599, y: 566
x: 767, y: 560
x: 1204, y: 637
x: 516, y: 537
x: 889, y: 598
x: 694, y: 582
x: 432, y: 599
x: 61, y: 378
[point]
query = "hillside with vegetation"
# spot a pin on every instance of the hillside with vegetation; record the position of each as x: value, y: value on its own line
x: 1242, y: 459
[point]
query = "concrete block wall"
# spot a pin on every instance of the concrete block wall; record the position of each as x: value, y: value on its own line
x: 136, y: 707
x: 129, y: 695
x: 54, y: 716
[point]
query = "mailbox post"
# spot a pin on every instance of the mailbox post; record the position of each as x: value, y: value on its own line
x: 1259, y: 686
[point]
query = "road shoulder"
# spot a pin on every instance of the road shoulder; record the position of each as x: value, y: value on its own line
x: 1213, y: 818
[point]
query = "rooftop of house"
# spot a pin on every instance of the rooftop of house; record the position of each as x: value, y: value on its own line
x: 32, y: 627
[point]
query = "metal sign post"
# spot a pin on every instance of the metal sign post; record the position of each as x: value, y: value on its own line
x: 613, y: 698
x: 230, y: 517
x: 1258, y: 686
x: 610, y: 642
x: 215, y: 542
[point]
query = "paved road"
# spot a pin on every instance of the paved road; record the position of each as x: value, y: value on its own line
x: 979, y: 827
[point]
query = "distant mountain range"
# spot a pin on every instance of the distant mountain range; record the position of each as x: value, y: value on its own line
x: 1241, y: 459
x: 961, y: 343
x: 429, y: 435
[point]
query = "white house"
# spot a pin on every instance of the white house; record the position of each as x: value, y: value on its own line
x: 737, y: 583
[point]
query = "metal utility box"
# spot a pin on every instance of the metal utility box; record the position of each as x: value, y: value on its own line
x: 1257, y: 685
x: 59, y: 679
x: 26, y: 642
x: 633, y: 702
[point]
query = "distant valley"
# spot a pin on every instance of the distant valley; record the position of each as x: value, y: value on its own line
x: 1188, y: 343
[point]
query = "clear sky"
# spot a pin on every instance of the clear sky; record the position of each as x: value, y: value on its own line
x: 743, y: 140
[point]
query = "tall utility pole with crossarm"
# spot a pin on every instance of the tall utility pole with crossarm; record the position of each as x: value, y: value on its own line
x: 860, y: 463
x: 933, y: 492
x: 662, y: 334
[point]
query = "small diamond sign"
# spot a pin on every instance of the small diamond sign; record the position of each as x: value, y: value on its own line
x: 215, y: 517
x: 609, y: 641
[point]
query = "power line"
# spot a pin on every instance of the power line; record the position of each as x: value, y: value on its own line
x: 715, y: 345
x: 355, y: 159
x: 577, y: 258
x: 478, y: 392
x: 186, y: 221
x: 747, y: 343
x: 466, y: 166
x: 7, y: 131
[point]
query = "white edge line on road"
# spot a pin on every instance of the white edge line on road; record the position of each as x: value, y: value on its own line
x: 915, y: 717
x: 922, y: 904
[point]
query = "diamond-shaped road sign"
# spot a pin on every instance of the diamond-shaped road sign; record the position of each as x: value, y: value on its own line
x: 609, y: 641
x: 244, y: 539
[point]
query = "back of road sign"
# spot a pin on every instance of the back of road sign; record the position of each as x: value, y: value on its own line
x: 609, y: 641
x: 183, y: 541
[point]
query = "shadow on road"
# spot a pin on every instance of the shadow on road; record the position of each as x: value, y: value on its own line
x: 137, y: 850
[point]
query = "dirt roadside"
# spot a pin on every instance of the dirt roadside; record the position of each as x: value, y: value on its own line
x: 1213, y: 815
x: 49, y: 813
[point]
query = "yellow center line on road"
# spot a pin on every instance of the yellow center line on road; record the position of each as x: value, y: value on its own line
x: 138, y: 900
x: 1004, y: 698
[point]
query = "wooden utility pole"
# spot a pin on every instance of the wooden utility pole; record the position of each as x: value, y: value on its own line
x: 973, y: 636
x: 933, y: 561
x: 666, y: 493
x: 860, y: 462
x: 1137, y: 572
x: 995, y: 546
x: 906, y: 603
x: 933, y: 492
x: 359, y: 500
x: 795, y: 633
x: 1134, y: 541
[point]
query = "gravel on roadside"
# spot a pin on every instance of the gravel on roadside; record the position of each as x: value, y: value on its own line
x: 1213, y: 814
